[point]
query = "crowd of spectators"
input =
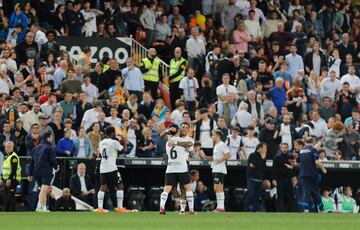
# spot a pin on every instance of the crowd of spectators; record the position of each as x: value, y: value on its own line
x: 286, y: 69
x: 271, y: 71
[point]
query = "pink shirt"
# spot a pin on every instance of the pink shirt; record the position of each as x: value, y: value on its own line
x: 241, y: 39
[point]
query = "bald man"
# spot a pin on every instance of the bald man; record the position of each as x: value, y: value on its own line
x: 65, y: 203
x: 177, y: 72
x: 152, y: 73
x: 11, y: 176
x: 82, y: 186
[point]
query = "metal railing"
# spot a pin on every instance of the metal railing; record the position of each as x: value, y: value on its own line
x: 138, y: 52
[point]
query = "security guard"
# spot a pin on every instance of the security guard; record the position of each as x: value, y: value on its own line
x: 11, y: 176
x: 177, y: 72
x: 150, y: 67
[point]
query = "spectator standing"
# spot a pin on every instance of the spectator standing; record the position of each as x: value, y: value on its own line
x: 40, y: 37
x: 330, y: 86
x: 314, y: 60
x: 162, y: 29
x: 346, y: 48
x: 148, y: 21
x: 189, y: 85
x: 90, y: 89
x: 228, y: 14
x: 133, y: 81
x: 346, y: 101
x: 253, y: 27
x: 294, y: 61
x: 70, y: 85
x: 89, y: 28
x: 195, y: 48
x: 75, y: 20
x: 18, y: 17
x: 65, y: 146
x: 278, y: 94
x: 27, y: 48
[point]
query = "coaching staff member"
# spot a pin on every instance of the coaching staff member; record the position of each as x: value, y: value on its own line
x: 255, y: 176
x: 43, y: 161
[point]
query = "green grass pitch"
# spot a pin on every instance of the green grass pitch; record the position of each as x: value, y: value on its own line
x: 173, y: 221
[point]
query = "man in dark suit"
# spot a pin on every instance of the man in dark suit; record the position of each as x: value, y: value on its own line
x: 82, y: 186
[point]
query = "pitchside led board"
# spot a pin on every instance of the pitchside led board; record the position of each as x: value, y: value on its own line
x: 119, y: 48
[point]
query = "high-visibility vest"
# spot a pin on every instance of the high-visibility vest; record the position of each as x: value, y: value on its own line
x: 174, y: 67
x: 153, y: 73
x: 7, y: 167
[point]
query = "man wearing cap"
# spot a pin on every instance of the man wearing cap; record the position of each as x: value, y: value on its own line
x: 43, y: 127
x: 11, y: 176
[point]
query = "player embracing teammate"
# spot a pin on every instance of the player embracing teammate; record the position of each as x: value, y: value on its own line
x: 178, y: 150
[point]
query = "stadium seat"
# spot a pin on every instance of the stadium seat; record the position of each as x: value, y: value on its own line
x: 238, y: 198
x: 135, y: 198
x: 153, y: 198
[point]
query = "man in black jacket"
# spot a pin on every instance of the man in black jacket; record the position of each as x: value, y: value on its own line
x: 6, y: 135
x: 75, y: 20
x: 267, y: 135
x: 282, y: 173
x: 82, y: 186
x: 255, y: 176
x: 314, y: 60
x: 65, y: 203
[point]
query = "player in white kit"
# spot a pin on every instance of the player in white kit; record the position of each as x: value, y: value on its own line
x: 110, y: 178
x: 177, y: 169
x: 219, y: 171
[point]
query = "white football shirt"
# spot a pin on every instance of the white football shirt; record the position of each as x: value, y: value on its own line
x: 177, y: 156
x: 220, y: 149
x: 109, y: 151
x: 233, y: 145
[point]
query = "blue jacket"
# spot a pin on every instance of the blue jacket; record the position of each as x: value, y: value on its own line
x: 22, y: 19
x: 43, y: 160
x: 65, y: 144
x: 88, y: 146
x: 278, y: 97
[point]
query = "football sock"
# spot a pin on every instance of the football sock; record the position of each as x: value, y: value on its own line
x: 190, y: 199
x: 100, y: 197
x: 120, y: 198
x: 182, y: 205
x: 220, y: 197
x: 163, y: 198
